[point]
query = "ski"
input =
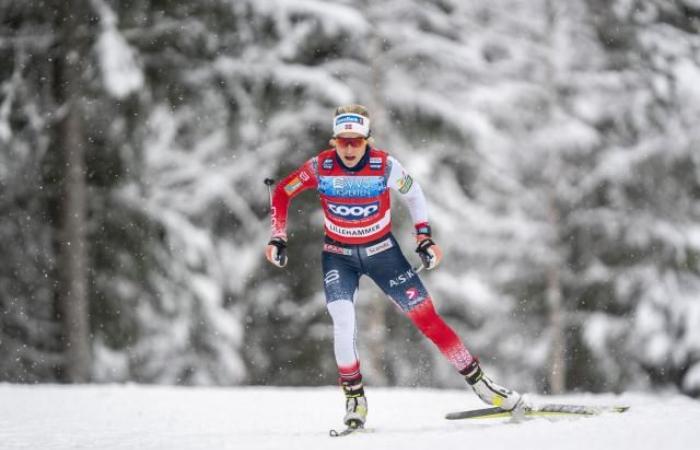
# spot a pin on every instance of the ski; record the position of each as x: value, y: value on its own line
x: 551, y: 409
x: 482, y: 413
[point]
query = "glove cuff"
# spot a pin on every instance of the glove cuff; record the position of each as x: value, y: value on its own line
x: 424, y: 229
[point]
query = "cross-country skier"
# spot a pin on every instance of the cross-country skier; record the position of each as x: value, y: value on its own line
x: 353, y: 180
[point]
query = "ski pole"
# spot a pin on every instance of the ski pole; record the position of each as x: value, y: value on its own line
x: 269, y: 182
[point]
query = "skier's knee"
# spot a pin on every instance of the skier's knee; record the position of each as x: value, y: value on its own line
x: 342, y: 313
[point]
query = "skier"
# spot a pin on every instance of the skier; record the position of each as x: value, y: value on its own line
x: 353, y: 179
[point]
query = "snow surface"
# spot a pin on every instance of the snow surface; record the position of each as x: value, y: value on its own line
x: 148, y: 417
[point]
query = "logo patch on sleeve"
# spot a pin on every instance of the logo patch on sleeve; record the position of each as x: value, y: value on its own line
x: 292, y: 186
x: 405, y: 183
x: 328, y: 164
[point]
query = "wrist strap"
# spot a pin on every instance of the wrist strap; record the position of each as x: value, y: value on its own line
x: 278, y: 242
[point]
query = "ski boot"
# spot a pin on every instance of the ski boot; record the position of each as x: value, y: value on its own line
x: 355, y: 403
x: 490, y: 392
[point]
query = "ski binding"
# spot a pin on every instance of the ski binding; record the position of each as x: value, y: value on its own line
x: 352, y: 427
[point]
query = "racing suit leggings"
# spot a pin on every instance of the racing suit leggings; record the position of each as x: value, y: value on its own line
x: 382, y: 261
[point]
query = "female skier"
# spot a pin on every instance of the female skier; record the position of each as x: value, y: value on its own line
x: 353, y: 180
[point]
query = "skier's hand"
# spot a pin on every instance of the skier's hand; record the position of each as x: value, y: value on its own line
x: 429, y: 252
x: 276, y: 251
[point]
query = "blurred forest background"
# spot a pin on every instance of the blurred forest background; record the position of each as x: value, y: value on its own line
x: 557, y: 143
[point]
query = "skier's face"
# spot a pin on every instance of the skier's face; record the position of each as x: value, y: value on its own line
x: 351, y: 148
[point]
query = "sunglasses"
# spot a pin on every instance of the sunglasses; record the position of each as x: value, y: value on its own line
x: 350, y: 142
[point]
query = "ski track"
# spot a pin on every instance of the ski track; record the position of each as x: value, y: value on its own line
x: 252, y: 418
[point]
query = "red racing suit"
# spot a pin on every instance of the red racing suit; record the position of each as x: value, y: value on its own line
x: 357, y: 216
x: 356, y: 202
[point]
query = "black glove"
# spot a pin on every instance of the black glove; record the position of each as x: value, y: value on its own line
x: 422, y: 251
x: 429, y: 252
x: 277, y: 251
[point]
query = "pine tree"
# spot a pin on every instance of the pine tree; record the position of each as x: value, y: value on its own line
x: 647, y: 200
x: 555, y: 143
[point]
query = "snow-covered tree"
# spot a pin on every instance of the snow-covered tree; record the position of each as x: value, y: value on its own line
x: 554, y: 140
x: 641, y: 238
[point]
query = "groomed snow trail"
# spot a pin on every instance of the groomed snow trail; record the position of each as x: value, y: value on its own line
x: 150, y: 417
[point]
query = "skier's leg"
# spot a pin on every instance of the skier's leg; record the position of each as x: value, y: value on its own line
x: 341, y: 280
x: 394, y: 275
x: 344, y: 330
x: 434, y: 327
x: 342, y: 313
x: 431, y: 324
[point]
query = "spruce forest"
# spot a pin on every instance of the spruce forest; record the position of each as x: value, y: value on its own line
x: 556, y: 142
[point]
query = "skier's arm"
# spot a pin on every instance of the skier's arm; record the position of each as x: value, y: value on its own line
x: 294, y: 184
x: 411, y: 192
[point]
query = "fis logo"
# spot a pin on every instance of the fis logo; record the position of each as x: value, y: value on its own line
x: 353, y: 212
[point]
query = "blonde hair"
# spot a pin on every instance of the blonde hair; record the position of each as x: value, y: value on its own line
x: 353, y: 108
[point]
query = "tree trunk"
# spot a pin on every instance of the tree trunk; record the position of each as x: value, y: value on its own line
x: 557, y: 357
x: 375, y: 314
x: 556, y: 374
x: 71, y: 261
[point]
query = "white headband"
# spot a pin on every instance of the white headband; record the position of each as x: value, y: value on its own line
x: 351, y: 123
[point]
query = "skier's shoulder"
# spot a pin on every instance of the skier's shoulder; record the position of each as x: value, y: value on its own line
x: 388, y: 162
x: 324, y: 160
x: 378, y: 153
x: 379, y: 159
x: 325, y: 154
